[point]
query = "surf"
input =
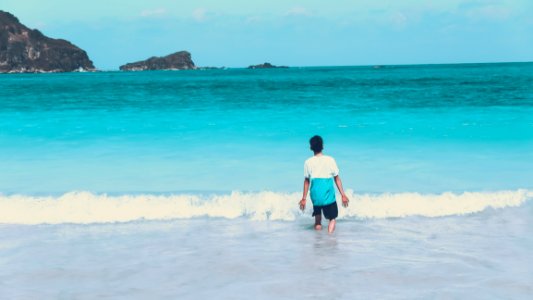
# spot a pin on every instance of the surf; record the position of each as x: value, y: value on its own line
x: 81, y: 207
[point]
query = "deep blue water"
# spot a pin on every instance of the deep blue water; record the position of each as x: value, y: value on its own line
x: 427, y: 128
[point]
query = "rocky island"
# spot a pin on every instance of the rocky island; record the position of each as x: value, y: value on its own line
x: 176, y: 61
x: 23, y: 50
x: 266, y: 66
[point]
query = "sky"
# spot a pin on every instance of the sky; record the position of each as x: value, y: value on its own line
x: 295, y: 33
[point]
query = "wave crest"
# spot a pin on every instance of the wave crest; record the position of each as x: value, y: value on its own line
x: 85, y: 207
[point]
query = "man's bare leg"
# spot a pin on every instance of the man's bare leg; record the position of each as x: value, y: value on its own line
x: 318, y: 222
x: 331, y: 225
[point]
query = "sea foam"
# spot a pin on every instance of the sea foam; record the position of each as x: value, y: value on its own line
x: 86, y: 207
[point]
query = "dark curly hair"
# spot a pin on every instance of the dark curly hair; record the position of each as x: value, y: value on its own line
x: 317, y: 144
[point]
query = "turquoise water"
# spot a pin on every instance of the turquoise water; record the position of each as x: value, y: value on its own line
x: 185, y: 184
x: 393, y: 129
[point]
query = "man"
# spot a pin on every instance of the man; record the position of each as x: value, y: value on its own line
x: 320, y: 171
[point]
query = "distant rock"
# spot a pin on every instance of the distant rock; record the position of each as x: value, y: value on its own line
x: 265, y: 66
x: 23, y: 50
x: 176, y: 61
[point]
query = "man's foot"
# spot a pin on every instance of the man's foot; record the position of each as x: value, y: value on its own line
x: 318, y: 227
x: 331, y: 226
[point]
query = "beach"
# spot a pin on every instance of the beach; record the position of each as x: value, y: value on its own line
x: 398, y: 258
x: 185, y: 184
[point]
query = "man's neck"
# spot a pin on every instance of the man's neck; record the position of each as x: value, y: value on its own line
x: 318, y: 153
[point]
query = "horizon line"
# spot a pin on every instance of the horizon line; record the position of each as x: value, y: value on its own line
x: 341, y: 66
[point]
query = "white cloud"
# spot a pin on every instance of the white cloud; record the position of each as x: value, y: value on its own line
x: 199, y: 14
x: 153, y: 12
x: 253, y: 19
x: 299, y: 11
x: 399, y: 20
x: 491, y: 12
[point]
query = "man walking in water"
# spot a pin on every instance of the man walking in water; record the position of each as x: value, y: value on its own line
x: 320, y: 171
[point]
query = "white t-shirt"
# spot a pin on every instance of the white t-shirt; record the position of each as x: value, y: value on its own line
x: 320, y: 170
x: 321, y: 166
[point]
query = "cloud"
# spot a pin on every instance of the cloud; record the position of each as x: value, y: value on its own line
x: 398, y: 20
x: 253, y: 19
x: 199, y: 14
x: 490, y: 12
x: 153, y: 12
x: 298, y: 11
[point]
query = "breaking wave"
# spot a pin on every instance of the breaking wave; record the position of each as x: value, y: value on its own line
x: 85, y: 207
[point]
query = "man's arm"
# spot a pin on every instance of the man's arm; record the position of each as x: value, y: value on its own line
x: 304, y: 197
x: 338, y: 182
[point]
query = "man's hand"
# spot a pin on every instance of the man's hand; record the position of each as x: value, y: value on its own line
x: 302, y: 204
x: 345, y: 201
x: 338, y: 182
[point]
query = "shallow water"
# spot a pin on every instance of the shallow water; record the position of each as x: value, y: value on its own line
x: 185, y: 184
x: 482, y: 256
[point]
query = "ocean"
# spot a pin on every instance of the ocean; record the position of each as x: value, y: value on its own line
x: 185, y: 184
